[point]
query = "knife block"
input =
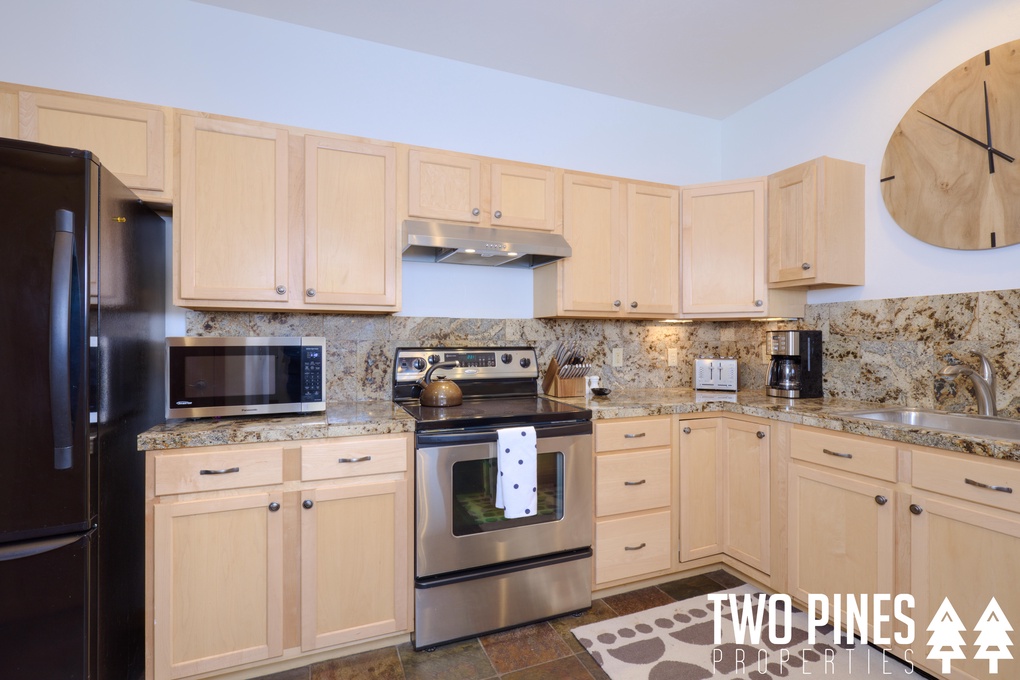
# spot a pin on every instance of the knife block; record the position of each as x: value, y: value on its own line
x: 555, y: 386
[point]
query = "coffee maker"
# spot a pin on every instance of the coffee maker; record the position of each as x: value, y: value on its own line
x: 796, y: 367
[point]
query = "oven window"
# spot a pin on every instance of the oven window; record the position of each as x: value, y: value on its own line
x: 474, y: 495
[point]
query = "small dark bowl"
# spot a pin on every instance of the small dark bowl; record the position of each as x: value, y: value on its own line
x: 601, y: 391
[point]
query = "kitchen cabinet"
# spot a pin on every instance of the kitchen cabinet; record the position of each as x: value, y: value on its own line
x: 816, y: 224
x: 723, y: 261
x: 634, y: 487
x: 625, y: 259
x: 842, y: 513
x: 963, y: 539
x: 265, y: 552
x: 241, y: 240
x: 725, y: 491
x: 485, y: 192
x: 8, y: 113
x: 132, y: 140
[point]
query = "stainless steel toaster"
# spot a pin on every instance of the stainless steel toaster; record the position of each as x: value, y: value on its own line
x: 715, y: 373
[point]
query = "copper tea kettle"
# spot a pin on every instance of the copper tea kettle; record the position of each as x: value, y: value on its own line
x: 440, y: 392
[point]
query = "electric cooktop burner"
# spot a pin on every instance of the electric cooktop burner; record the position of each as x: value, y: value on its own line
x: 500, y: 386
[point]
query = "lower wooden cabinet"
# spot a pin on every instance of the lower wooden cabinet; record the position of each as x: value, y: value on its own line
x: 260, y: 552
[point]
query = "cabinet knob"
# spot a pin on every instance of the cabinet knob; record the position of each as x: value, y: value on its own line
x: 307, y: 504
x: 881, y: 500
x: 274, y: 506
x: 806, y: 266
x: 616, y: 303
x: 916, y: 509
x: 687, y: 430
x: 281, y: 290
x: 310, y: 292
x: 759, y: 434
x: 497, y: 214
x: 476, y: 212
x: 759, y: 303
x: 633, y: 305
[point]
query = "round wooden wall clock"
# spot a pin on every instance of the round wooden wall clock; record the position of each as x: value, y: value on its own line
x: 951, y: 172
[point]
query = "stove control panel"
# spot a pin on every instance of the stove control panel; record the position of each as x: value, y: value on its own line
x: 476, y: 363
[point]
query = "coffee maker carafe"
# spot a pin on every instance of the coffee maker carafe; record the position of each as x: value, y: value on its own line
x: 795, y: 370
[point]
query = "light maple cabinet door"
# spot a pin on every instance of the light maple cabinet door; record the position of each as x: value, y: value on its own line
x: 231, y: 213
x: 592, y: 277
x: 351, y: 257
x: 701, y: 492
x: 354, y: 574
x: 8, y: 114
x: 747, y: 485
x: 444, y: 186
x: 816, y: 224
x: 217, y: 584
x: 723, y: 244
x: 522, y: 196
x: 131, y: 140
x: 841, y: 536
x: 653, y: 250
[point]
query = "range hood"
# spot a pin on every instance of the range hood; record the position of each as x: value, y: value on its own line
x: 486, y: 246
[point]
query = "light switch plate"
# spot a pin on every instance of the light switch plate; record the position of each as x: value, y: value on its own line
x: 671, y: 356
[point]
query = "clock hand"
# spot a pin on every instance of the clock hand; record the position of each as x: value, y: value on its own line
x: 988, y: 133
x: 966, y: 136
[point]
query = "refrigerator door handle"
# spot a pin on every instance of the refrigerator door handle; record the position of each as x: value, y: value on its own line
x: 60, y: 339
x: 22, y: 550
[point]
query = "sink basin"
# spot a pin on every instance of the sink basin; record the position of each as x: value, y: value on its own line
x: 956, y: 423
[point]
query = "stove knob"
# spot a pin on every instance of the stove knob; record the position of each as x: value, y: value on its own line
x: 433, y: 359
x: 525, y: 362
x: 418, y: 364
x: 507, y: 358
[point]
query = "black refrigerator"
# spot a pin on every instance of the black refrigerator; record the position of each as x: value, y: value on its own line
x: 82, y: 308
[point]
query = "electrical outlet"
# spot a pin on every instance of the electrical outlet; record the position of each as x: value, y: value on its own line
x: 617, y: 357
x: 671, y: 356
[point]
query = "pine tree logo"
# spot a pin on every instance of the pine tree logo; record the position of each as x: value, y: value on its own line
x: 993, y: 638
x: 945, y: 640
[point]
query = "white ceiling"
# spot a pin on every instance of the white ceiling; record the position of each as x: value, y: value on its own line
x: 705, y: 57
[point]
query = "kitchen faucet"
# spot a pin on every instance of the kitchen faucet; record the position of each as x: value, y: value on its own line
x: 984, y: 383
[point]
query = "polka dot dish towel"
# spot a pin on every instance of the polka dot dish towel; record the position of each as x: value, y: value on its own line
x: 517, y: 483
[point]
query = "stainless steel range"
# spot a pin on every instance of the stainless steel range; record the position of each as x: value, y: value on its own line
x: 476, y: 570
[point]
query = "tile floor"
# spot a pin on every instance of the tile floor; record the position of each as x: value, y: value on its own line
x: 542, y: 651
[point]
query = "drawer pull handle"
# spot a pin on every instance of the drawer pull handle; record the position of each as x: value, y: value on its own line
x: 1003, y: 489
x: 224, y: 471
x: 362, y: 459
x: 635, y: 483
x: 838, y: 454
x: 636, y: 547
x: 634, y: 435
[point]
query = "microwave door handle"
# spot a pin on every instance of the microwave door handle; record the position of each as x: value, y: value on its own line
x: 60, y: 339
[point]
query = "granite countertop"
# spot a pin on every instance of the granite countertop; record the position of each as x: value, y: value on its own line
x: 382, y: 417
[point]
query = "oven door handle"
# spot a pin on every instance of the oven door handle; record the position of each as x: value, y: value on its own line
x: 446, y: 438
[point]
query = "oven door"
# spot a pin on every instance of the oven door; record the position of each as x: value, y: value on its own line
x: 458, y: 525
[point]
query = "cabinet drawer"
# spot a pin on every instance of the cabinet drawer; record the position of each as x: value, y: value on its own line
x: 643, y: 433
x: 970, y: 480
x: 860, y: 455
x: 215, y: 470
x: 631, y: 546
x: 338, y: 459
x: 628, y: 482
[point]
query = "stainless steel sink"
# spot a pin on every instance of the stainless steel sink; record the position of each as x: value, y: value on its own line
x: 956, y: 423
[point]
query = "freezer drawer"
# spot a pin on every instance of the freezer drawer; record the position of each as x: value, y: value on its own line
x: 44, y: 620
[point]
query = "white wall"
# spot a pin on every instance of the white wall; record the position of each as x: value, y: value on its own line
x: 189, y: 55
x: 848, y: 109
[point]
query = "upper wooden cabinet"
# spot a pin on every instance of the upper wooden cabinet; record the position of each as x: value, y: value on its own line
x: 625, y: 259
x: 723, y: 245
x: 486, y: 192
x: 132, y: 140
x: 241, y: 240
x: 231, y: 213
x: 816, y: 224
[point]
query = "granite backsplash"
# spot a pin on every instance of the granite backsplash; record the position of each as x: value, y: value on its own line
x: 875, y: 350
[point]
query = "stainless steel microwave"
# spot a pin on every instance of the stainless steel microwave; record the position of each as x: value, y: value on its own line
x: 244, y: 376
